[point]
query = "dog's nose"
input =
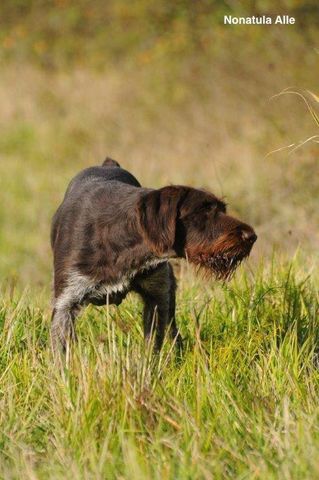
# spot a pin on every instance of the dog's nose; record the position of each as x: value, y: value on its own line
x: 249, y: 235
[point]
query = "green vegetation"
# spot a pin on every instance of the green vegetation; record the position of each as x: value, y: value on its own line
x: 241, y: 403
x: 66, y: 32
x: 176, y: 97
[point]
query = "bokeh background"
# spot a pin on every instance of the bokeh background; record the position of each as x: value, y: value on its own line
x: 170, y: 92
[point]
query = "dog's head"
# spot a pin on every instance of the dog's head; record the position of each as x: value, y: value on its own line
x: 190, y: 223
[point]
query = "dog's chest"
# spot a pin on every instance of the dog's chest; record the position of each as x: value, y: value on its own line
x: 114, y: 292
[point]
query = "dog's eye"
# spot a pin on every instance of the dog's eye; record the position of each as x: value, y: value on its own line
x: 209, y: 206
x: 222, y: 207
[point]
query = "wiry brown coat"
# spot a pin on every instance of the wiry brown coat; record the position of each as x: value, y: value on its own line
x: 111, y: 236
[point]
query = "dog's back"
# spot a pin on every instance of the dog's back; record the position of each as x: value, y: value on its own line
x: 108, y: 172
x: 108, y: 176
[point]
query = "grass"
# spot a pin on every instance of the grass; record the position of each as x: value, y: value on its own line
x: 241, y: 403
x: 215, y: 134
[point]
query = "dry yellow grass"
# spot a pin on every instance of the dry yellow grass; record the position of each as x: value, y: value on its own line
x: 205, y: 124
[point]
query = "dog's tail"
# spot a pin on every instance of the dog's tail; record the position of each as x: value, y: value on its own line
x: 109, y: 162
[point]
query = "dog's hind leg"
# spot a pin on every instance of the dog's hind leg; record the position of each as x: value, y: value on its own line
x: 69, y: 297
x: 62, y: 326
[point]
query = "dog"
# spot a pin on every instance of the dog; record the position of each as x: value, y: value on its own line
x: 110, y: 236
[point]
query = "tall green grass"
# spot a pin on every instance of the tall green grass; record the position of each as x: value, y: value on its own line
x: 242, y: 402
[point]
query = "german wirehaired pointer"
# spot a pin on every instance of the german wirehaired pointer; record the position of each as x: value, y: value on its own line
x: 110, y: 236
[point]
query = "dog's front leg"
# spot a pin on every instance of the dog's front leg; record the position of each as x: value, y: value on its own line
x: 174, y: 331
x: 154, y: 288
x: 155, y: 320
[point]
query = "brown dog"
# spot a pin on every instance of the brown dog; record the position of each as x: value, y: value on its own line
x: 110, y: 236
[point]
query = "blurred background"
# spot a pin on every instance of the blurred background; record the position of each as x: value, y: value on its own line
x: 170, y: 92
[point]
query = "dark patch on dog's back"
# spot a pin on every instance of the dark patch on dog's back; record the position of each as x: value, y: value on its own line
x: 104, y: 173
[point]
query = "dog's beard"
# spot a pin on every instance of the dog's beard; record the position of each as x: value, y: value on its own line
x: 222, y: 260
x: 223, y: 265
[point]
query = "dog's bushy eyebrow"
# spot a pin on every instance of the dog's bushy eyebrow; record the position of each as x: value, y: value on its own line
x: 221, y: 205
x: 216, y: 203
x: 213, y: 201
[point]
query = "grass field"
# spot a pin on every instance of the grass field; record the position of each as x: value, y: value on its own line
x: 164, y: 88
x: 242, y: 402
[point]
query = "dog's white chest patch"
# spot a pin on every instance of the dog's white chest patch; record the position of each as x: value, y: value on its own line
x: 80, y: 286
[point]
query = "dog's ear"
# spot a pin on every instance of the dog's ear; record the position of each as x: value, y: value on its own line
x: 158, y: 211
